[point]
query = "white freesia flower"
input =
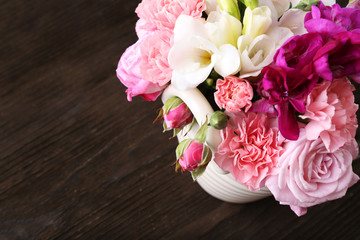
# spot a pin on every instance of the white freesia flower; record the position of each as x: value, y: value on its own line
x: 255, y: 54
x: 201, y: 46
x: 294, y: 20
x: 277, y: 7
x: 256, y: 21
x: 279, y: 34
x: 223, y: 28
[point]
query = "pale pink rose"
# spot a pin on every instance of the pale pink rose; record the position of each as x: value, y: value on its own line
x: 331, y: 110
x: 250, y: 148
x: 233, y: 94
x: 128, y: 72
x: 154, y: 57
x: 162, y: 14
x: 310, y: 174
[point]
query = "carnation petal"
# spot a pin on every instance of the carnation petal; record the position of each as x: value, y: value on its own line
x: 288, y: 125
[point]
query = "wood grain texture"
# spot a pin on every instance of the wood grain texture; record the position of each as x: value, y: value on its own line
x: 80, y: 162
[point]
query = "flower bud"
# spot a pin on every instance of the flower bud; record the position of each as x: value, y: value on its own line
x: 230, y: 6
x: 196, y: 155
x: 176, y: 114
x: 218, y: 120
x: 256, y: 21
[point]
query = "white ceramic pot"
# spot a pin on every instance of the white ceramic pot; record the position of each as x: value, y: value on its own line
x: 214, y: 180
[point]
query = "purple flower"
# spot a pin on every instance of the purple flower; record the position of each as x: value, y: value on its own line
x: 286, y: 88
x: 290, y: 80
x: 332, y: 20
x: 339, y: 57
x: 298, y: 52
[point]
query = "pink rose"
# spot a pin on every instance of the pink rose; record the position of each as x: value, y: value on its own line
x: 178, y: 115
x: 128, y: 72
x: 233, y: 94
x: 331, y: 110
x: 250, y: 148
x: 310, y: 175
x: 162, y: 14
x: 154, y: 57
x: 194, y: 157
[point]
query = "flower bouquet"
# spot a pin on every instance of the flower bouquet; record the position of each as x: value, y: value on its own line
x: 278, y: 74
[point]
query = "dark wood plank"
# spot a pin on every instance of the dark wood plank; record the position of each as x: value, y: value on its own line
x: 80, y: 162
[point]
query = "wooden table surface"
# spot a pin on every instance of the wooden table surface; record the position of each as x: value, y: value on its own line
x: 80, y: 162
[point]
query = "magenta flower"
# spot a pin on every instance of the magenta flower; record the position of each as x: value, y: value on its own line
x: 339, y: 57
x: 332, y: 20
x: 291, y: 78
x: 298, y: 52
x: 286, y: 88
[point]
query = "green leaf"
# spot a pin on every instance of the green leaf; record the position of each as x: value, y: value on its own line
x: 305, y: 5
x: 196, y: 174
x: 206, y: 156
x: 176, y: 132
x: 201, y: 134
x: 180, y: 149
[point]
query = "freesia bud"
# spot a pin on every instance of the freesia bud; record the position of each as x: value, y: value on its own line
x: 256, y: 21
x: 230, y: 6
x: 250, y: 3
x: 195, y: 156
x: 218, y: 120
x: 176, y: 114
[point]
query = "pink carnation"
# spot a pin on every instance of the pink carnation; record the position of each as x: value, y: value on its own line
x: 162, y: 14
x: 250, y: 149
x: 154, y: 57
x: 331, y: 110
x: 233, y: 94
x: 310, y: 175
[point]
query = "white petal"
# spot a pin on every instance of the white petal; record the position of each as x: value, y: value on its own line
x: 256, y: 21
x: 228, y: 62
x: 223, y: 28
x: 256, y: 54
x: 279, y: 34
x: 187, y: 26
x: 294, y: 20
x: 192, y: 62
x: 184, y: 81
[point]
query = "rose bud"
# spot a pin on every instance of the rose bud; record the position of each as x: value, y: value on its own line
x: 176, y: 114
x: 218, y: 120
x: 193, y: 155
